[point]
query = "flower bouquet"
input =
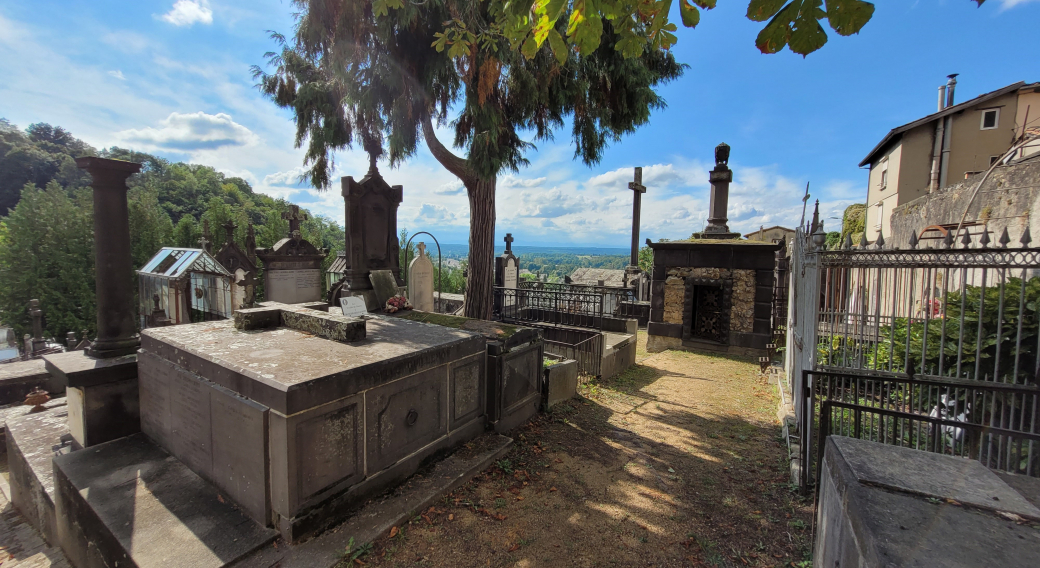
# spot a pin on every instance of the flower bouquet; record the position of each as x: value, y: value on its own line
x: 397, y: 303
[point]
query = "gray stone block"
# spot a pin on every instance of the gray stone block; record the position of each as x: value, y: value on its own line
x: 561, y: 382
x: 77, y: 369
x: 103, y: 412
x: 33, y: 440
x: 19, y: 378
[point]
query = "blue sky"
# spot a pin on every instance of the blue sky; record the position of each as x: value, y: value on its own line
x: 172, y: 77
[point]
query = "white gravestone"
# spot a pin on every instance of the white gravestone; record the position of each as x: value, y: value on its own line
x: 293, y: 286
x: 420, y: 280
x: 353, y: 306
x: 509, y: 277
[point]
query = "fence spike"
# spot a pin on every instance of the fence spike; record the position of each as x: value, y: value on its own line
x: 948, y: 240
x: 848, y: 241
x: 984, y: 239
x: 1026, y: 238
x: 863, y: 240
x: 913, y: 239
x: 880, y: 242
x: 1004, y: 239
x: 966, y: 238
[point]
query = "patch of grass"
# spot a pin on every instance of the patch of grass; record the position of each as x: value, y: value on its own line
x: 499, y: 503
x: 353, y: 552
x: 505, y: 465
x: 711, y: 551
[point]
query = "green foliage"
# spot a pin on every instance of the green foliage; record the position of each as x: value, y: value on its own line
x: 853, y: 221
x: 889, y: 353
x: 646, y: 259
x: 48, y: 254
x: 48, y: 234
x: 833, y: 240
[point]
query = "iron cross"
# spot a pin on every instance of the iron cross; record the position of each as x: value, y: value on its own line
x: 509, y: 242
x: 294, y: 218
x: 638, y: 189
x: 230, y: 228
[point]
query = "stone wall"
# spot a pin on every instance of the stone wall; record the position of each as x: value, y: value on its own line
x: 742, y: 311
x: 1006, y: 200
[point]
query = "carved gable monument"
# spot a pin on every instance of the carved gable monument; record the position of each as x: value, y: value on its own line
x: 292, y: 267
x: 371, y: 233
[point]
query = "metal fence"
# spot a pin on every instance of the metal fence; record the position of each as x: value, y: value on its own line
x: 923, y: 338
x: 614, y: 299
x: 993, y: 422
x: 556, y: 307
x: 585, y: 347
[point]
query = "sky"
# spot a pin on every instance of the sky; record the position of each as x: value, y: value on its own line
x: 171, y: 77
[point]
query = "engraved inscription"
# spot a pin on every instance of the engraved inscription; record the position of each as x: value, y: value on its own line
x: 327, y: 450
x: 520, y: 379
x: 389, y: 435
x: 293, y: 286
x: 153, y: 377
x: 190, y: 422
x: 239, y: 434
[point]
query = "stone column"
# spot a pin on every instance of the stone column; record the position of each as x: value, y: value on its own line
x: 718, y: 215
x: 117, y: 331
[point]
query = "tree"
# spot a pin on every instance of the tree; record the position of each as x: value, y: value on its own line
x: 853, y: 221
x: 355, y: 73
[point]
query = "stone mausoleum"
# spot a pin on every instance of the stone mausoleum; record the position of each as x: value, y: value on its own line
x: 714, y: 291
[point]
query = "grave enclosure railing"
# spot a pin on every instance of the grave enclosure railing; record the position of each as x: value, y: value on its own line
x: 618, y: 302
x: 994, y: 423
x: 585, y: 347
x: 553, y: 307
x: 937, y: 347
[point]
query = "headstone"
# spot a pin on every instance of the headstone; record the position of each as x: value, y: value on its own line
x: 420, y: 280
x: 292, y: 267
x: 507, y: 271
x: 371, y: 239
x: 353, y: 306
x: 384, y: 284
x: 36, y: 313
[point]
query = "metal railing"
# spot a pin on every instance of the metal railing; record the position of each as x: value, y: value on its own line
x: 585, y: 347
x: 613, y: 298
x: 995, y: 423
x: 522, y: 305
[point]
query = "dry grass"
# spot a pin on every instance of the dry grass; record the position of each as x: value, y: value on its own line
x: 678, y: 462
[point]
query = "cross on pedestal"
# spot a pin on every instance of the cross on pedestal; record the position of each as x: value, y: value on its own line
x: 638, y: 189
x: 294, y: 218
x: 204, y: 243
x: 509, y: 242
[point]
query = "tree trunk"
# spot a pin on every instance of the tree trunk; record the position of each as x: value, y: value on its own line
x: 480, y: 284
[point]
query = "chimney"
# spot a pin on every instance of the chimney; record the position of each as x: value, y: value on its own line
x: 951, y: 84
x: 942, y: 97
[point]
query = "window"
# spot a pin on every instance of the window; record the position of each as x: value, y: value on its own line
x: 993, y: 159
x: 883, y: 166
x: 990, y: 119
x: 880, y: 213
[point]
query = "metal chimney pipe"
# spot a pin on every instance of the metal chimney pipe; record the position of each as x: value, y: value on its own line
x: 942, y: 97
x: 950, y: 86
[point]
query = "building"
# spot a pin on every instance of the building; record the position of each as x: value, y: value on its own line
x: 944, y: 147
x: 191, y: 286
x: 771, y: 235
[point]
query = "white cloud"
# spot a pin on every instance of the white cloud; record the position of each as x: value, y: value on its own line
x: 188, y: 12
x: 117, y: 74
x: 453, y: 187
x: 191, y: 132
x: 1008, y: 4
x: 287, y: 178
x: 434, y: 213
x: 510, y: 180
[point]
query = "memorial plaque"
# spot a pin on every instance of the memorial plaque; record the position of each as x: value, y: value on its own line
x: 353, y: 306
x: 420, y: 281
x: 153, y: 389
x: 384, y: 284
x: 293, y: 286
x: 510, y: 275
x: 405, y: 415
x: 466, y: 383
x: 190, y: 424
x: 327, y: 450
x: 239, y: 456
x: 521, y: 373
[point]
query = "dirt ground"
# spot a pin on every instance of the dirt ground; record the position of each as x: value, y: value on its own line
x: 678, y: 462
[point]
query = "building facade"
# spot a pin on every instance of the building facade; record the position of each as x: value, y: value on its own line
x: 945, y: 147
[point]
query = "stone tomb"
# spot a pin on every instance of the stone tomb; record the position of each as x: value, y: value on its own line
x: 298, y: 415
x: 292, y: 267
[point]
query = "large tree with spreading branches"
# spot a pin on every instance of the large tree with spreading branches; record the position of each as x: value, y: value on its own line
x: 357, y: 73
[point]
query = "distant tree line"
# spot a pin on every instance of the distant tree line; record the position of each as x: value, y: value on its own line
x: 46, y: 223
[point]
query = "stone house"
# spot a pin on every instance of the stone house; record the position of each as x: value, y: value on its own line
x: 771, y: 235
x: 958, y: 140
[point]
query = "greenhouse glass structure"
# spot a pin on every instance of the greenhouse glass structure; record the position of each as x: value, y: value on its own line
x: 190, y: 284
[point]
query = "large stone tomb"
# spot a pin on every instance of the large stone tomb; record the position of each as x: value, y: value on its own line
x: 292, y: 267
x: 298, y: 428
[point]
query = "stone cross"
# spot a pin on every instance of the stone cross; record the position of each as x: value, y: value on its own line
x: 37, y: 321
x: 204, y: 240
x: 229, y: 228
x: 294, y: 218
x: 509, y: 242
x: 638, y: 189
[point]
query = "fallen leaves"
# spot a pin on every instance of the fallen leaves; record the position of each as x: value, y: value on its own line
x: 394, y: 531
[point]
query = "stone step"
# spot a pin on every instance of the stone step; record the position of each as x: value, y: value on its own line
x: 129, y: 503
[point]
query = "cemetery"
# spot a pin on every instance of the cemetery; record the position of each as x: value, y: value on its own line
x: 312, y: 393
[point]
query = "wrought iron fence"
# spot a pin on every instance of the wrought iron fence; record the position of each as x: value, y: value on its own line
x: 585, y: 347
x: 614, y: 299
x: 995, y: 423
x: 570, y: 308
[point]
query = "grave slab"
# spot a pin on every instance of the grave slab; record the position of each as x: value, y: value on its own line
x: 33, y: 440
x: 385, y: 286
x: 129, y: 503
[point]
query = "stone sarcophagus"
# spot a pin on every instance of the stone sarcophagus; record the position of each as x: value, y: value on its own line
x: 298, y: 415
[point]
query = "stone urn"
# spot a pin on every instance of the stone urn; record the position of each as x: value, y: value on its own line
x: 36, y: 398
